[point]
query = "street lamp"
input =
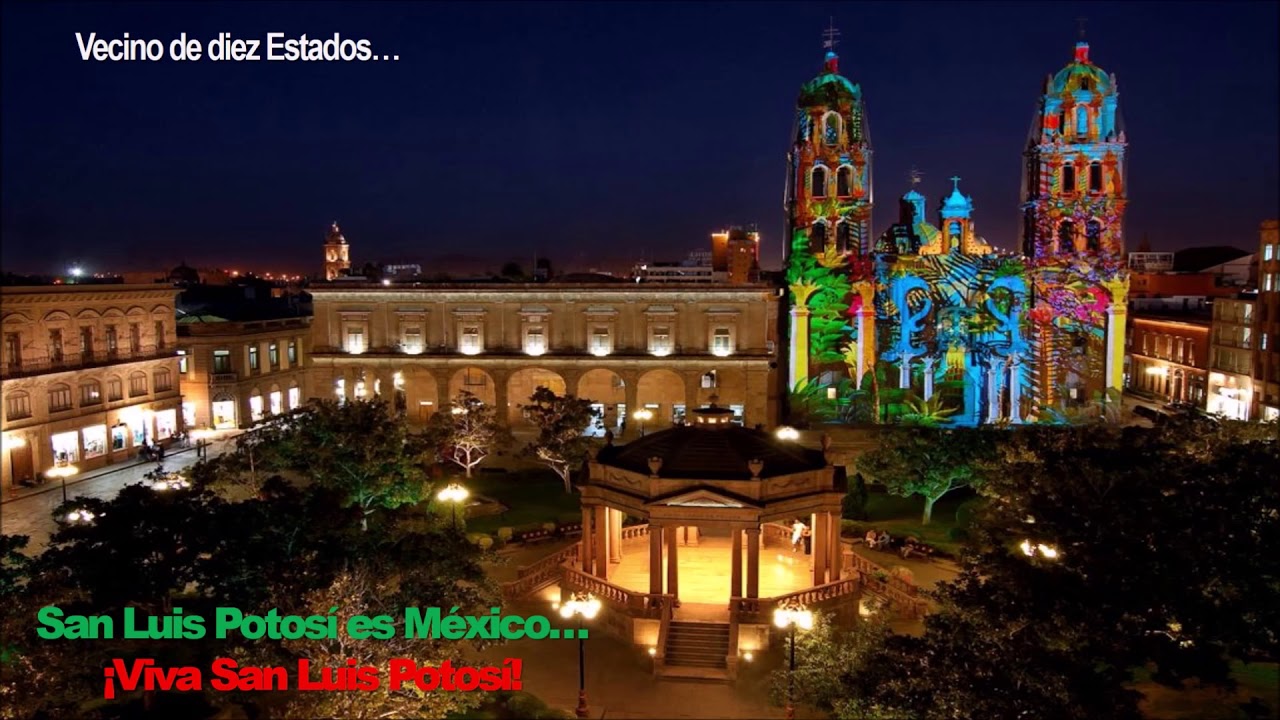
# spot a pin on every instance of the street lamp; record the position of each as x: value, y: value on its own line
x: 63, y: 469
x: 789, y: 618
x: 201, y: 436
x: 786, y: 432
x: 1031, y: 549
x: 76, y: 517
x: 643, y: 415
x: 584, y: 607
x: 170, y: 481
x: 454, y: 494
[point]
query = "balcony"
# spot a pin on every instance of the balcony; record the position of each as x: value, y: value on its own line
x: 222, y: 377
x: 40, y: 365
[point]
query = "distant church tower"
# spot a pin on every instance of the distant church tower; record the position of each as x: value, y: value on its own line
x: 1074, y: 200
x: 336, y: 257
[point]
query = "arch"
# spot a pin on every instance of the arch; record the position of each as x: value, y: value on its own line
x: 1093, y: 235
x: 56, y: 316
x: 845, y: 241
x: 113, y: 312
x: 421, y: 394
x: 1068, y: 178
x: 135, y: 311
x: 17, y: 318
x: 1066, y: 236
x: 1095, y: 177
x: 162, y: 310
x: 818, y: 235
x: 88, y: 314
x: 831, y: 128
x: 730, y: 390
x: 607, y: 390
x: 524, y: 382
x: 818, y: 181
x: 664, y: 388
x: 475, y: 381
x: 844, y: 181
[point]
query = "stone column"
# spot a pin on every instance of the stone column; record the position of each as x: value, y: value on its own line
x: 601, y: 543
x: 753, y: 562
x: 615, y: 535
x: 655, y: 559
x: 585, y: 550
x: 928, y: 378
x: 1015, y: 389
x: 673, y: 564
x: 1117, y: 312
x: 692, y: 383
x: 820, y: 532
x: 632, y: 391
x: 735, y: 572
x: 500, y: 399
x: 837, y: 549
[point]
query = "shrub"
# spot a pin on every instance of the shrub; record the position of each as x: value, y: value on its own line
x: 852, y: 528
x: 549, y: 527
x: 504, y: 535
x: 524, y: 705
x: 966, y: 511
x: 854, y: 504
x: 958, y: 534
x: 485, y: 542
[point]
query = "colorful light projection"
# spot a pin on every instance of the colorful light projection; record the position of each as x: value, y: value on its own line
x: 929, y: 325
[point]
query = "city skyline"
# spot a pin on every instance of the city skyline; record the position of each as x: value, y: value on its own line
x: 267, y: 154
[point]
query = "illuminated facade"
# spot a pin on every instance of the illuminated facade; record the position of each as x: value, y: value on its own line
x: 928, y: 323
x: 337, y: 259
x: 666, y: 347
x: 90, y: 374
x: 1266, y: 359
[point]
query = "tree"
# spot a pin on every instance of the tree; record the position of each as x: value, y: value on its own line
x: 359, y: 449
x: 512, y: 271
x: 561, y: 421
x: 466, y: 433
x: 927, y: 462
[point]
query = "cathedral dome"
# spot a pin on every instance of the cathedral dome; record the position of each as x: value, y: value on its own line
x: 830, y: 88
x: 1081, y: 74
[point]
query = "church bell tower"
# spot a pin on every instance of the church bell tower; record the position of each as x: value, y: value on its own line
x: 336, y: 256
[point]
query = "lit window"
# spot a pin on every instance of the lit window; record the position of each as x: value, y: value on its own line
x: 163, y: 380
x: 273, y: 355
x: 295, y: 398
x: 722, y: 342
x: 340, y: 389
x: 60, y: 398
x: 819, y: 182
x: 355, y: 340
x: 276, y: 402
x: 412, y: 341
x: 255, y: 407
x: 222, y: 361
x: 1268, y: 282
x: 469, y: 341
x: 137, y: 385
x: 831, y: 129
x: 709, y: 379
x: 601, y: 341
x: 115, y: 389
x: 361, y: 389
x: 1268, y: 252
x: 293, y: 352
x: 253, y: 358
x: 182, y: 361
x: 17, y: 405
x: 535, y: 343
x: 660, y: 344
x: 90, y: 393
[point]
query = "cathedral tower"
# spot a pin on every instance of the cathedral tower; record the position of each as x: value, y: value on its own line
x: 1073, y: 211
x: 336, y: 257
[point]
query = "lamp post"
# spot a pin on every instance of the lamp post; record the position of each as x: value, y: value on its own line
x: 1031, y: 549
x: 643, y: 415
x: 454, y: 494
x: 201, y: 436
x: 787, y: 432
x: 789, y: 618
x: 63, y: 469
x: 584, y: 607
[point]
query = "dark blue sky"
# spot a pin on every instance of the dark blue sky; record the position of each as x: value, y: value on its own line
x: 581, y: 131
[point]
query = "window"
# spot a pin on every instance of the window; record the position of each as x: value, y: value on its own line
x: 273, y: 355
x: 1067, y: 236
x: 844, y: 181
x: 355, y: 340
x: 1068, y: 179
x: 253, y: 358
x: 113, y: 343
x: 601, y: 340
x: 293, y: 353
x: 1268, y: 252
x: 412, y: 342
x: 59, y: 398
x: 1082, y: 120
x: 255, y: 406
x: 66, y: 445
x: 818, y: 236
x: 275, y: 402
x: 709, y: 379
x: 222, y: 361
x: 845, y: 242
x: 13, y: 349
x: 1268, y: 282
x: 182, y: 362
x: 660, y: 340
x: 535, y: 343
x: 164, y: 380
x: 721, y: 342
x: 469, y: 341
x: 1093, y: 235
x: 1062, y: 122
x: 55, y: 345
x: 160, y: 335
x: 115, y: 390
x: 90, y: 394
x: 475, y: 379
x: 135, y: 338
x: 831, y: 129
x: 137, y: 385
x: 86, y: 342
x: 819, y: 176
x: 95, y: 440
x: 17, y: 405
x: 1095, y: 177
x: 295, y: 398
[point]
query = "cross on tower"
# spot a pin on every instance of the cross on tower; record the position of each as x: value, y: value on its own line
x: 1081, y: 21
x: 831, y: 36
x: 915, y: 176
x: 955, y: 180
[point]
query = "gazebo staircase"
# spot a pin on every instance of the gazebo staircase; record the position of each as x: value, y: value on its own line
x: 696, y: 651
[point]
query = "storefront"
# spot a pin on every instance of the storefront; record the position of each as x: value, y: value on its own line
x: 1229, y: 395
x: 224, y: 412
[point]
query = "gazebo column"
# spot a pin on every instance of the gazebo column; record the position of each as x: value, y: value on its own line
x: 735, y: 572
x: 673, y: 565
x: 821, y: 541
x: 585, y: 552
x: 655, y: 558
x: 753, y: 562
x: 615, y: 535
x: 601, y: 544
x: 837, y: 549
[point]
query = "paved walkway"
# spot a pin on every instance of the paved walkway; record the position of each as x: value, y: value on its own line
x: 31, y: 513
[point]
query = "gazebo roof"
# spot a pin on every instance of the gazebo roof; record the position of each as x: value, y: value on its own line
x: 723, y: 453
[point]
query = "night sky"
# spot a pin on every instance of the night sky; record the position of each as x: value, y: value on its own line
x: 591, y: 133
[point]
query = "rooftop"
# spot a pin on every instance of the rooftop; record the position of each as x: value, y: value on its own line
x: 694, y: 453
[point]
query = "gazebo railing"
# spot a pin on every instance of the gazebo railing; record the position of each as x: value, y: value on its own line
x: 539, y: 574
x: 858, y: 563
x: 761, y: 609
x: 635, y: 604
x: 635, y: 532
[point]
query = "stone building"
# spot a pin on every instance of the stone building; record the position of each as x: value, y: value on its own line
x: 1231, y: 358
x: 1266, y: 358
x: 235, y: 374
x: 90, y: 374
x: 668, y: 348
x: 1168, y: 356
